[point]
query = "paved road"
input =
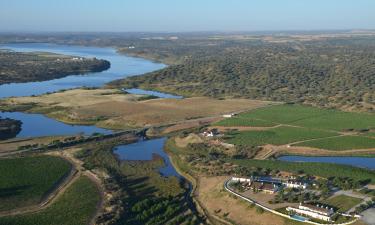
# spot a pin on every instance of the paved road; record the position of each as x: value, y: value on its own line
x: 369, y: 216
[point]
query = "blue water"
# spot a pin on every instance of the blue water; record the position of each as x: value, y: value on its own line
x: 143, y: 150
x: 155, y: 93
x: 35, y: 125
x: 300, y: 218
x: 363, y: 162
x: 38, y: 125
x: 121, y: 66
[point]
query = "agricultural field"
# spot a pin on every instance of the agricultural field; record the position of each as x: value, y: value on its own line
x: 343, y: 202
x: 25, y: 181
x: 303, y: 124
x: 75, y: 207
x: 341, y: 143
x: 325, y: 170
x: 311, y: 117
x: 243, y: 121
x: 113, y: 109
x: 277, y: 136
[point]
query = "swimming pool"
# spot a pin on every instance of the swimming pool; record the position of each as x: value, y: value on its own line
x: 299, y: 218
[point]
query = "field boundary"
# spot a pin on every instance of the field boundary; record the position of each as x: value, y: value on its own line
x: 50, y: 197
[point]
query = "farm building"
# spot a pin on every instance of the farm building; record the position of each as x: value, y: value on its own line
x: 294, y: 184
x: 229, y: 115
x: 315, y: 211
x: 269, y: 188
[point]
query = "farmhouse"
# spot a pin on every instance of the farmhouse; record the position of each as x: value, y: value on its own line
x: 314, y: 211
x: 211, y: 133
x: 241, y: 179
x: 229, y: 115
x: 294, y: 184
x: 269, y: 188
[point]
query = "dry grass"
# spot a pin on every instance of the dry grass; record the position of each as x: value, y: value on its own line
x: 111, y: 109
x: 191, y: 138
x: 218, y: 202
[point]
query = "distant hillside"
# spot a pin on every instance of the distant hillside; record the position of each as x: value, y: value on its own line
x: 331, y: 73
x: 18, y: 67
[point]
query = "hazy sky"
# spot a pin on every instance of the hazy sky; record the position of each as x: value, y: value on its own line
x: 185, y: 15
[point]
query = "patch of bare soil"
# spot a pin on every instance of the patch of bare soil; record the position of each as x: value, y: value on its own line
x: 219, y: 203
x: 190, y: 124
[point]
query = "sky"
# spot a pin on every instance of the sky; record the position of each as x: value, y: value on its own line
x: 184, y: 15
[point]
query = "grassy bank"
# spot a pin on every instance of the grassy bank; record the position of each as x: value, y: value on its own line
x: 24, y: 181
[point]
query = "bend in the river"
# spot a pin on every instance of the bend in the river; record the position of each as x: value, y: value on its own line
x: 39, y: 125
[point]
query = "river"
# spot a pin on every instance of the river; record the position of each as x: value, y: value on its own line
x: 144, y: 150
x: 34, y: 125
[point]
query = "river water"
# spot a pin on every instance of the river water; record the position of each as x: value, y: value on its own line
x: 144, y: 150
x: 35, y: 125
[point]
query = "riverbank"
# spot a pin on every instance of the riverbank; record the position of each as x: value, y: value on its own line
x: 20, y: 67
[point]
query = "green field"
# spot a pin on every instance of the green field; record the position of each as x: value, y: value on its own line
x: 341, y: 143
x: 308, y: 123
x: 310, y: 117
x: 277, y: 136
x: 284, y: 114
x: 343, y: 202
x: 24, y: 181
x: 75, y: 207
x: 318, y: 169
x: 243, y: 121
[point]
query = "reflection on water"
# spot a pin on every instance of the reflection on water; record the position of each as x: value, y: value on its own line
x: 143, y: 150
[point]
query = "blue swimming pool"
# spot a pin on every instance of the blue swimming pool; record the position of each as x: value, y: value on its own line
x: 299, y: 218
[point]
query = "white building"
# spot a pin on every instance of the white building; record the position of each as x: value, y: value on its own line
x: 292, y: 184
x: 229, y: 115
x: 241, y: 179
x: 315, y: 211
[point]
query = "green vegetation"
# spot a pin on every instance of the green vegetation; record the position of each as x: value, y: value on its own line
x: 317, y: 169
x: 343, y: 202
x: 25, y: 67
x: 341, y: 143
x: 140, y: 194
x: 312, y: 117
x: 285, y: 114
x: 276, y: 136
x: 303, y: 124
x: 25, y: 181
x: 243, y: 121
x: 75, y: 207
x: 330, y: 72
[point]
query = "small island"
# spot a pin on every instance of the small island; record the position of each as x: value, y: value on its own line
x: 17, y: 67
x: 9, y: 128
